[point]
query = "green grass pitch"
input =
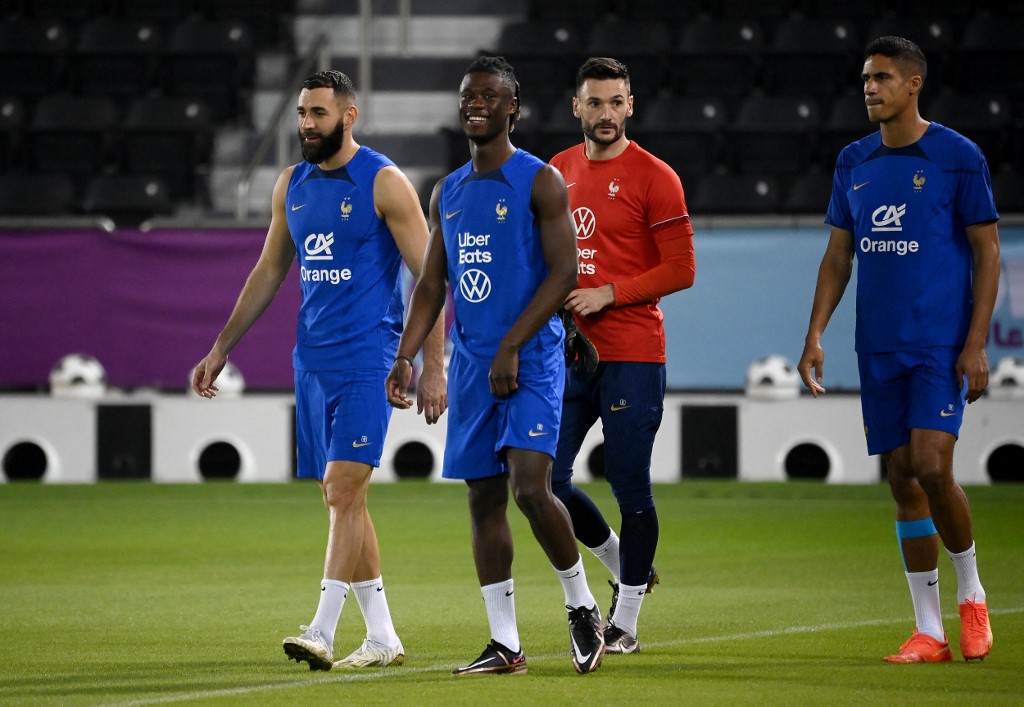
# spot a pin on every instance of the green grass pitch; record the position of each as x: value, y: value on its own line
x: 138, y: 593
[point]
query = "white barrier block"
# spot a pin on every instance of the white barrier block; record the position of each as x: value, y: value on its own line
x: 407, y: 427
x: 64, y: 429
x: 259, y: 427
x: 988, y: 424
x: 768, y: 431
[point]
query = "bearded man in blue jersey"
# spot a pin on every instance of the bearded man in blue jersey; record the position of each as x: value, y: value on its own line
x: 913, y: 202
x: 351, y: 217
x: 501, y: 234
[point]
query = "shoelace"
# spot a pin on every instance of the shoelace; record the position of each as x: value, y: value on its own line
x: 314, y: 634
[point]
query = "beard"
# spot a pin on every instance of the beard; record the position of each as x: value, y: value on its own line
x: 590, y: 131
x: 329, y: 144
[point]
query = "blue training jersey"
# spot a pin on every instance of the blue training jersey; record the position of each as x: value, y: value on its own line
x: 349, y: 268
x: 495, y: 258
x: 908, y: 209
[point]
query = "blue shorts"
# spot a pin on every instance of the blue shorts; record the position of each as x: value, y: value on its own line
x: 481, y: 427
x: 339, y: 416
x: 629, y: 399
x: 905, y: 390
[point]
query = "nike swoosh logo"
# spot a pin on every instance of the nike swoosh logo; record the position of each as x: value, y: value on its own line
x: 946, y: 414
x: 357, y: 445
x: 573, y: 575
x: 616, y: 408
x: 570, y: 185
x: 858, y: 186
x: 536, y: 434
x: 932, y: 584
x: 453, y: 213
x: 380, y: 588
x: 580, y: 658
x: 510, y: 593
x: 300, y: 206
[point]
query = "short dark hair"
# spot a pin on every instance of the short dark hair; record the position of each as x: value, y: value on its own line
x: 601, y: 68
x: 340, y: 83
x: 499, y: 65
x: 902, y: 51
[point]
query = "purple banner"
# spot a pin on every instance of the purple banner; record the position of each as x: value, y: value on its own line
x: 147, y: 305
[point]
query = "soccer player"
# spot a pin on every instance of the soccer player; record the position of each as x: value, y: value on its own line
x: 502, y: 236
x: 352, y: 217
x: 635, y: 245
x: 913, y: 202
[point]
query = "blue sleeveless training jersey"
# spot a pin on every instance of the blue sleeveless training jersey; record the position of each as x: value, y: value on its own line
x: 908, y: 208
x: 495, y: 259
x: 349, y: 268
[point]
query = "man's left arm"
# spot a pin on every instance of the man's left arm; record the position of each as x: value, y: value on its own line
x: 399, y: 207
x: 973, y: 361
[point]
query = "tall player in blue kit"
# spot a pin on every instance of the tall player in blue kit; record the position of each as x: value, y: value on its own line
x: 913, y: 202
x: 501, y: 234
x: 352, y: 217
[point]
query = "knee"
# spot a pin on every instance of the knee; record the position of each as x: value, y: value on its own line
x: 531, y: 498
x: 341, y: 496
x: 637, y: 498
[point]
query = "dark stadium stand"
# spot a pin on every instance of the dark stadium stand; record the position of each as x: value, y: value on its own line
x: 724, y: 90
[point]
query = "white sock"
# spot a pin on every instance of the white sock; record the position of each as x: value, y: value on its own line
x: 500, y: 602
x: 627, y: 608
x: 332, y: 600
x: 574, y: 582
x: 924, y: 592
x: 608, y: 553
x: 374, y: 604
x: 968, y: 585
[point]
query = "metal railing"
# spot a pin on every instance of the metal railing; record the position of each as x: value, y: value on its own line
x: 279, y: 130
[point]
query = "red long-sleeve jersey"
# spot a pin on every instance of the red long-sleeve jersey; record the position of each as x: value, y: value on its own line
x: 632, y: 230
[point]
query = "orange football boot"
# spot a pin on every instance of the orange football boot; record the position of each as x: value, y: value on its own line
x: 922, y: 648
x: 975, y: 631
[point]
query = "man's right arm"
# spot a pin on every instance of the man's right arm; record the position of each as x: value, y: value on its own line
x: 259, y: 291
x: 833, y: 276
x: 424, y: 308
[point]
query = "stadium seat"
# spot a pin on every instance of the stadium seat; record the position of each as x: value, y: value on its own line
x: 32, y: 56
x: 12, y: 122
x: 717, y: 57
x: 809, y: 194
x: 676, y: 13
x: 167, y: 12
x: 116, y: 57
x: 846, y: 122
x: 72, y: 12
x: 734, y: 194
x: 984, y: 118
x: 990, y: 55
x: 767, y: 14
x: 642, y: 45
x: 70, y: 134
x: 126, y: 199
x: 561, y: 131
x: 773, y: 135
x: 685, y: 132
x: 264, y: 17
x: 812, y: 56
x: 544, y: 54
x: 37, y: 195
x: 167, y: 137
x: 570, y: 9
x: 1008, y: 190
x: 211, y: 60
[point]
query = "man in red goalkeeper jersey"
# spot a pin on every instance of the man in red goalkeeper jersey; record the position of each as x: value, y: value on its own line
x: 635, y: 245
